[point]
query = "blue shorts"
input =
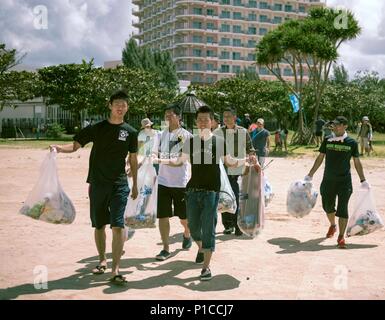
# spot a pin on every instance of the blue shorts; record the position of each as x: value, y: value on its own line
x: 107, y: 204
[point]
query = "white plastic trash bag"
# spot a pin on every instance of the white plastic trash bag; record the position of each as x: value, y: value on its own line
x: 365, y: 218
x: 251, y: 217
x: 301, y: 198
x: 141, y: 212
x: 47, y: 201
x: 227, y: 201
x: 268, y: 191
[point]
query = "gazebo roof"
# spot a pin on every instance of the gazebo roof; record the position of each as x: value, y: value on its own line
x: 190, y: 103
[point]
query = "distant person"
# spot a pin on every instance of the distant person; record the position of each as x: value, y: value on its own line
x: 284, y: 132
x: 146, y: 138
x: 216, y: 122
x: 318, y: 130
x: 86, y: 123
x: 261, y: 142
x: 337, y: 150
x: 277, y: 140
x: 365, y: 135
x: 327, y: 129
x: 246, y: 121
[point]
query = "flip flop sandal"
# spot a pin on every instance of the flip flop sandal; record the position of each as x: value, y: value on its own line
x: 118, y: 279
x: 99, y: 270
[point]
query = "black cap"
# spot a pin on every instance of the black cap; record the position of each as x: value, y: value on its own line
x: 340, y: 120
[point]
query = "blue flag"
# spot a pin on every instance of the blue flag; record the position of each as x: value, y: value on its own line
x: 295, y: 103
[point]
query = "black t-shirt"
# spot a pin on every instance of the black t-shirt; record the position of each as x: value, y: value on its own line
x: 205, y: 157
x: 338, y: 155
x: 111, y: 143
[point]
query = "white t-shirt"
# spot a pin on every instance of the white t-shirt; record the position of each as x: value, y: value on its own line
x: 169, y: 145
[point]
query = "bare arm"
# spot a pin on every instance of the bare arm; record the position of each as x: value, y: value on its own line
x: 133, y: 162
x: 67, y: 148
x: 360, y: 170
x: 317, y: 164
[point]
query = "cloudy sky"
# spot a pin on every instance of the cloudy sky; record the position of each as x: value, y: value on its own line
x: 82, y: 29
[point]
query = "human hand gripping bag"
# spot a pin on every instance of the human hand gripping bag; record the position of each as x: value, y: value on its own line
x: 251, y: 218
x: 301, y: 198
x: 365, y: 218
x: 47, y: 201
x: 141, y: 212
x: 227, y: 201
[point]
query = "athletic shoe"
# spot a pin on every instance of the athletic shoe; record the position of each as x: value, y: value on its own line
x: 205, y: 274
x: 332, y: 230
x: 187, y: 243
x: 228, y: 230
x: 341, y: 242
x: 163, y: 255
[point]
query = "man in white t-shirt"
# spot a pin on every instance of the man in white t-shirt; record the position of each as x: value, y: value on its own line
x: 172, y: 181
x: 146, y: 138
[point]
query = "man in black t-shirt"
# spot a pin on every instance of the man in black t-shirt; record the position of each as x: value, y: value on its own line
x: 204, y: 150
x: 112, y: 140
x: 338, y: 149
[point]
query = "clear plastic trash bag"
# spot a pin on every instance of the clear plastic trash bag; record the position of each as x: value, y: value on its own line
x: 47, y: 201
x: 301, y: 198
x: 141, y: 212
x: 251, y: 217
x: 269, y: 195
x: 227, y: 201
x: 365, y: 218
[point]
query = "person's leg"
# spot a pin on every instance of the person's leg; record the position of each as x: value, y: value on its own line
x: 362, y: 146
x: 329, y: 194
x: 233, y: 179
x: 344, y: 193
x: 118, y: 204
x: 100, y: 241
x: 194, y: 212
x: 164, y: 212
x: 117, y: 248
x: 179, y: 201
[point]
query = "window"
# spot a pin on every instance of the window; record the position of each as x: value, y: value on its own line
x: 251, y: 43
x: 262, y: 31
x: 225, y: 1
x: 237, y: 15
x: 236, y: 56
x: 237, y: 43
x: 210, y: 26
x: 263, y: 18
x: 197, y: 10
x: 225, y: 55
x: 263, y: 5
x: 277, y: 20
x: 225, y: 68
x: 252, y: 30
x: 263, y: 71
x: 210, y: 53
x: 287, y: 72
x: 237, y: 29
x: 197, y: 39
x: 197, y: 52
x: 197, y: 66
x: 225, y: 41
x: 210, y: 67
x: 288, y: 8
x: 236, y: 69
x: 210, y: 39
x: 251, y: 57
x: 197, y: 25
x: 253, y: 4
x: 225, y: 28
x: 210, y: 12
x: 210, y: 80
x: 225, y: 14
x: 302, y: 9
x: 238, y: 3
x: 252, y: 17
x: 277, y: 7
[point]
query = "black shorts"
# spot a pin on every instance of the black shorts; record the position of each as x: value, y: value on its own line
x: 330, y: 190
x: 107, y: 204
x: 169, y: 197
x: 318, y: 133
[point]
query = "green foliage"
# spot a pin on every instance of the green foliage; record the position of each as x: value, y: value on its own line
x: 158, y: 62
x: 55, y: 131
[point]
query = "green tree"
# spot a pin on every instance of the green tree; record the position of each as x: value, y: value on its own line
x: 308, y: 47
x: 159, y: 62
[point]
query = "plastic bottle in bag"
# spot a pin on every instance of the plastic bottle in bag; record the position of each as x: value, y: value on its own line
x: 47, y: 201
x: 251, y: 217
x: 301, y: 198
x: 227, y: 201
x: 365, y: 218
x: 268, y: 191
x: 141, y: 212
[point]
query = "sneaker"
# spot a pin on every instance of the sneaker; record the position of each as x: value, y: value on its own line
x: 238, y: 232
x: 228, y: 230
x: 205, y: 274
x: 332, y: 230
x: 200, y: 257
x: 163, y: 255
x: 341, y: 242
x: 187, y: 243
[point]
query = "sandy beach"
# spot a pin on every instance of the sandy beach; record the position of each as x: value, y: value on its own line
x: 290, y: 259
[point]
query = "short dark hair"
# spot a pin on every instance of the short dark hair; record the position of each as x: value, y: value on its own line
x: 340, y: 120
x: 174, y: 107
x: 231, y: 109
x: 119, y: 95
x: 205, y: 109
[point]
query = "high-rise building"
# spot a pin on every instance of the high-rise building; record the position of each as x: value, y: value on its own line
x: 213, y: 39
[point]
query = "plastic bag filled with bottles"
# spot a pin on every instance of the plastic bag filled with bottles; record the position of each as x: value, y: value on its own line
x: 301, y: 198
